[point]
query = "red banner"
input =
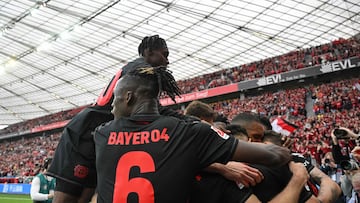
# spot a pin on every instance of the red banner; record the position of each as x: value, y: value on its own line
x: 201, y: 94
x: 49, y: 126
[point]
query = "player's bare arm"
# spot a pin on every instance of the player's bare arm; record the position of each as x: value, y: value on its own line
x: 237, y: 172
x: 258, y: 153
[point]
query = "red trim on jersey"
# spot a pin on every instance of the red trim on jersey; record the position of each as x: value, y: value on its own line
x: 107, y: 92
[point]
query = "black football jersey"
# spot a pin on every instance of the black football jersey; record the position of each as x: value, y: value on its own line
x: 151, y: 158
x: 74, y: 159
x: 214, y: 188
x: 275, y: 180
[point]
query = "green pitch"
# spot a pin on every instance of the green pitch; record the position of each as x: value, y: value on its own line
x: 7, y: 198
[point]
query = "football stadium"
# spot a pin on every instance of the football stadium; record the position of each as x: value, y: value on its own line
x: 182, y: 101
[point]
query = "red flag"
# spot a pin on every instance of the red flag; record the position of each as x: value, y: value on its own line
x: 282, y: 126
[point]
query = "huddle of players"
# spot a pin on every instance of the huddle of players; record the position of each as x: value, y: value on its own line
x: 167, y: 157
x: 250, y: 127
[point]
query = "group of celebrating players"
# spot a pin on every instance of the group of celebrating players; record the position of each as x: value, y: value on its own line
x: 129, y: 148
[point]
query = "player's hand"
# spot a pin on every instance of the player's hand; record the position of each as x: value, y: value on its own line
x: 299, y: 172
x: 242, y: 173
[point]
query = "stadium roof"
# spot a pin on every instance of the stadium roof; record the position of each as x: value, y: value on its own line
x: 58, y: 54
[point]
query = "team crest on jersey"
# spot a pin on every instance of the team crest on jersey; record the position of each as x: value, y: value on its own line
x: 81, y: 171
x: 220, y: 133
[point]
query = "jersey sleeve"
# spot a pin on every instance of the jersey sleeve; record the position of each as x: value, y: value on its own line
x: 74, y: 159
x: 106, y: 95
x: 213, y: 145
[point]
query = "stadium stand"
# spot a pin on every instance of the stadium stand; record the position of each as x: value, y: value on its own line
x: 42, y: 121
x: 313, y: 131
x: 336, y: 50
x: 333, y: 104
x: 25, y: 156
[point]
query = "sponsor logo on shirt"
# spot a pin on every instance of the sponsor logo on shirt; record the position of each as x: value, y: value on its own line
x: 220, y: 133
x: 138, y: 138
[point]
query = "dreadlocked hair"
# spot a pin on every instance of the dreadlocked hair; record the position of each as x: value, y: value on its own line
x: 152, y: 43
x: 162, y: 77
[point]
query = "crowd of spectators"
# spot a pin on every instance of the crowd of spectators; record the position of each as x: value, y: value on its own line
x: 284, y: 102
x: 301, y: 58
x: 312, y: 138
x: 24, y: 157
x: 335, y: 96
x: 334, y: 104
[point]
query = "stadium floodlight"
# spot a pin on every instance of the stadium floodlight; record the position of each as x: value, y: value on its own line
x: 11, y: 62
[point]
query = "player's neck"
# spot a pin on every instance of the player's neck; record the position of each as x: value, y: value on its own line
x: 146, y: 106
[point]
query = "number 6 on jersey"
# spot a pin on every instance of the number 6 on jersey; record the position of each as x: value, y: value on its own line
x: 141, y: 186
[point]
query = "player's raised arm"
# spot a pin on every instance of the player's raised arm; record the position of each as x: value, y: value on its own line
x: 270, y: 155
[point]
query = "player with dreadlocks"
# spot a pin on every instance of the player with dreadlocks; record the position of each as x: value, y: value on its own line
x: 142, y: 156
x: 74, y: 160
x: 152, y: 50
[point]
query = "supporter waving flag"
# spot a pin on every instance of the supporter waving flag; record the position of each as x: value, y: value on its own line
x: 282, y: 126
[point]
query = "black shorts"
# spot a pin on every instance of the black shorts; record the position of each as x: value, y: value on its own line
x: 74, y: 159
